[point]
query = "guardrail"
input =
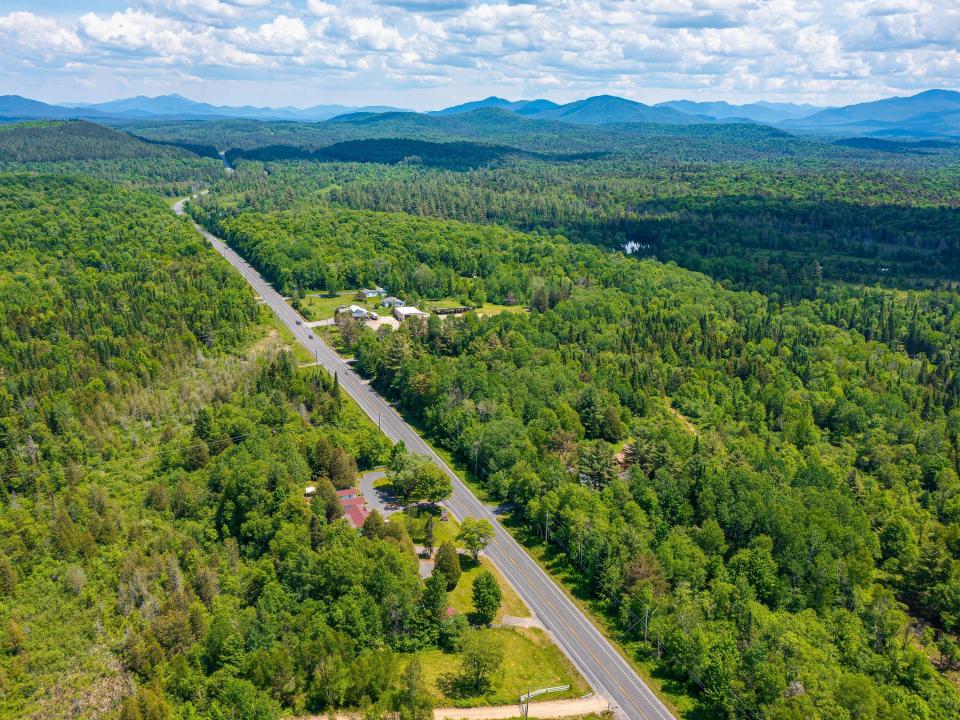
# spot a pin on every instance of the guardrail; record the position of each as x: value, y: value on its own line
x: 526, y: 697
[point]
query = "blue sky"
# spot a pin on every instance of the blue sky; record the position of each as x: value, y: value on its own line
x: 431, y: 53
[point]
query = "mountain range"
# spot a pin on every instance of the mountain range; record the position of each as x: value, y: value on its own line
x: 762, y: 112
x: 933, y: 113
x: 142, y: 107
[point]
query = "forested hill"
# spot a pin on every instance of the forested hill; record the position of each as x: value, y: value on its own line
x: 785, y: 513
x: 76, y: 140
x: 497, y: 127
x: 82, y: 147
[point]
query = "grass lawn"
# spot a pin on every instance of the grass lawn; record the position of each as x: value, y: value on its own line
x: 320, y: 306
x: 485, y: 309
x: 461, y: 597
x: 330, y: 334
x: 494, y: 309
x: 442, y: 303
x: 531, y: 661
x: 442, y: 531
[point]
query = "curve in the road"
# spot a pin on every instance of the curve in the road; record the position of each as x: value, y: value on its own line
x: 605, y: 669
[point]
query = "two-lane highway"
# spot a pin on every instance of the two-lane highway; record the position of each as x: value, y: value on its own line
x: 610, y: 675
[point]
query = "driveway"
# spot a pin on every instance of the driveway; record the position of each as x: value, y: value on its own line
x: 383, y: 501
x: 379, y: 498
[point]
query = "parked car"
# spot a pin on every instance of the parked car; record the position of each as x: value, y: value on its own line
x: 444, y: 515
x: 374, y: 316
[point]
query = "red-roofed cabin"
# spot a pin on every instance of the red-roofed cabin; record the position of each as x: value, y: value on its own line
x: 353, y: 502
x: 355, y: 515
x: 349, y: 494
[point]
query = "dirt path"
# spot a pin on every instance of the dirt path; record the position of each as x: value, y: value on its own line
x: 514, y: 621
x: 684, y: 420
x: 551, y: 710
x: 545, y: 710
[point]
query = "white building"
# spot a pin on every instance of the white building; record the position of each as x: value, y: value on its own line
x: 358, y: 312
x: 407, y: 311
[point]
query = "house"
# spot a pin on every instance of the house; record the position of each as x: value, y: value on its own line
x: 356, y: 516
x: 392, y: 302
x: 375, y: 292
x: 354, y: 506
x: 407, y: 311
x: 358, y: 313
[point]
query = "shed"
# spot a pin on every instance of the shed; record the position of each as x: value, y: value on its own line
x: 407, y: 311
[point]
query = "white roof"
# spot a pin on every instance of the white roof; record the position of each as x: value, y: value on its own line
x: 409, y: 310
x: 357, y: 308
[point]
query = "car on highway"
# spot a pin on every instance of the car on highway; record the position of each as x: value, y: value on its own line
x: 299, y: 322
x: 311, y: 336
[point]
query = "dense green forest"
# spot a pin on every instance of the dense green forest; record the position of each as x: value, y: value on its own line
x: 752, y: 472
x: 787, y: 517
x: 75, y: 140
x: 703, y: 196
x: 84, y: 147
x: 778, y: 227
x: 497, y: 127
x: 157, y: 556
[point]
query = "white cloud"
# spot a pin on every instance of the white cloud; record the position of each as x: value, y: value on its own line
x: 739, y: 49
x: 369, y: 33
x: 282, y: 35
x: 39, y: 36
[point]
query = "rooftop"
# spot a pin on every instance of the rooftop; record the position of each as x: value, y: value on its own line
x: 409, y: 310
x: 355, y: 515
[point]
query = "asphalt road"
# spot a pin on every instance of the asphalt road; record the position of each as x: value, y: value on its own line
x: 608, y: 673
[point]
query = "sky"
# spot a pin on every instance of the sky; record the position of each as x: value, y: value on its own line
x: 426, y: 54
